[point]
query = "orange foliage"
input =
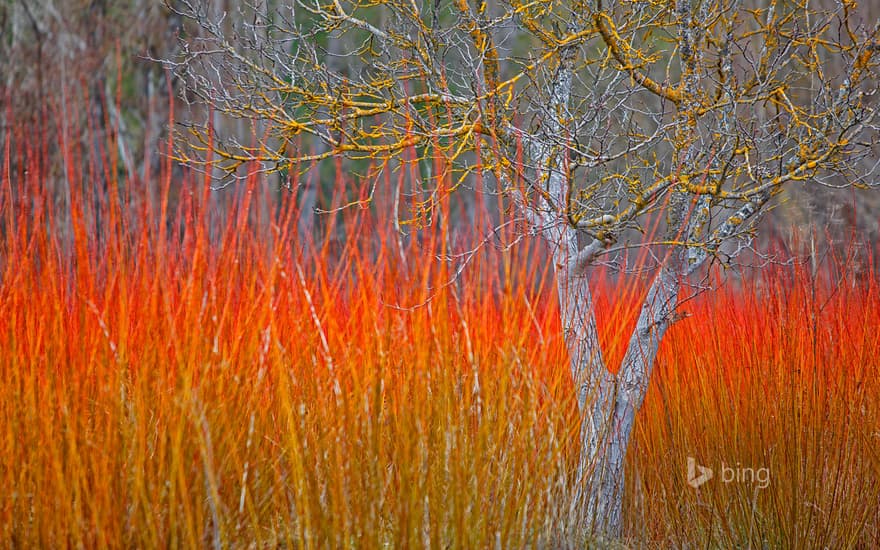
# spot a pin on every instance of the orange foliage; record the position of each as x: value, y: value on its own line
x: 175, y: 373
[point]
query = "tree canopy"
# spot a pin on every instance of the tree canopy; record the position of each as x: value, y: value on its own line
x: 590, y: 114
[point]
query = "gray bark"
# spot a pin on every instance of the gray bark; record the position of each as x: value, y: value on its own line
x: 608, y: 403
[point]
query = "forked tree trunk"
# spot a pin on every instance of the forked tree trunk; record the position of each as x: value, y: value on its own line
x: 608, y: 403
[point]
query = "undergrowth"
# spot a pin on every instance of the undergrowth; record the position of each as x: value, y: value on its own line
x: 182, y: 367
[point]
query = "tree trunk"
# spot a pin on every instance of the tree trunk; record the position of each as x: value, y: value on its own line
x: 608, y: 403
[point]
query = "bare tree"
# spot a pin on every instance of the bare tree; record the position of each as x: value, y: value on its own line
x: 593, y: 117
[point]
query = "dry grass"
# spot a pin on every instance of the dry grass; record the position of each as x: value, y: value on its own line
x: 207, y: 383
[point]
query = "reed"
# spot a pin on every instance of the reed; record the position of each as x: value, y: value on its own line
x: 181, y: 368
